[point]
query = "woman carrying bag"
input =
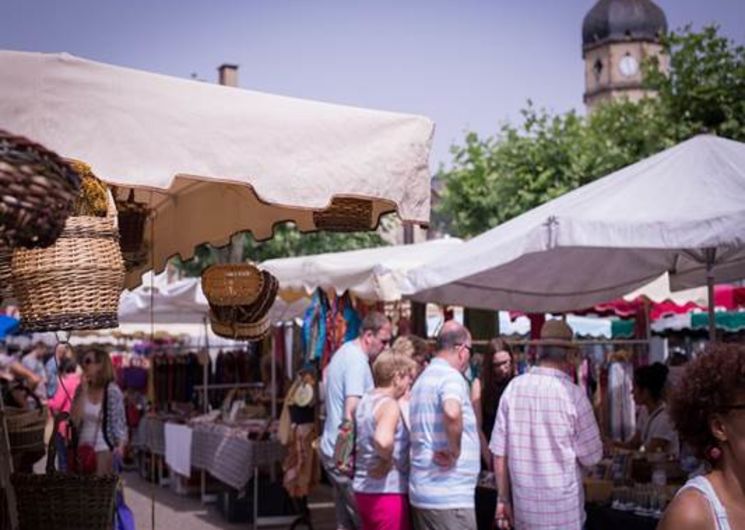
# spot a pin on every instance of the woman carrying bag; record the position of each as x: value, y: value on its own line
x: 98, y: 416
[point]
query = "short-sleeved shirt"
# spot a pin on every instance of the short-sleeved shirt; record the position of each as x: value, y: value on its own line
x: 430, y: 486
x: 546, y: 428
x: 658, y: 424
x: 347, y: 375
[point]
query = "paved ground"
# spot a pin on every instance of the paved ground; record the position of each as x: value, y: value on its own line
x: 179, y: 512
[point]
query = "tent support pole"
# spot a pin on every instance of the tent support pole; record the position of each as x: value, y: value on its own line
x: 710, y: 257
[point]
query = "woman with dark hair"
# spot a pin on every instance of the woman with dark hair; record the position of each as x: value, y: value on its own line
x: 656, y: 433
x: 98, y: 411
x: 497, y: 371
x: 708, y: 408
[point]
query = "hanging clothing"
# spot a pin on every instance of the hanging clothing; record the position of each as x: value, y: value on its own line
x: 621, y: 407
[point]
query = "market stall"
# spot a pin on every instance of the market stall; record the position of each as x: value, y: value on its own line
x: 187, y: 163
x: 608, y: 237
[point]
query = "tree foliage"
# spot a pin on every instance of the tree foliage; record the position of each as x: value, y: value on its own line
x: 496, y: 178
x: 288, y: 241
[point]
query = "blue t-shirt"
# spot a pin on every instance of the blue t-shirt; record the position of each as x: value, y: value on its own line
x: 348, y: 374
x: 430, y: 486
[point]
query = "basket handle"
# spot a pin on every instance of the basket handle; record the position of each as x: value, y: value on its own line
x: 111, y: 210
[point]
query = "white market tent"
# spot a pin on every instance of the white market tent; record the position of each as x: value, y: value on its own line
x: 681, y: 211
x: 371, y: 274
x: 211, y: 161
x: 182, y: 302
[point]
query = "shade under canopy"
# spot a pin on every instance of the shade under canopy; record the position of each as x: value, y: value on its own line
x: 601, y: 241
x: 212, y: 160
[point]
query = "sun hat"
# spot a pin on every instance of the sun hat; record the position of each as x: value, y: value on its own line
x: 556, y: 332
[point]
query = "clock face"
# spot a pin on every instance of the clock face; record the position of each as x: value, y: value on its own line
x: 628, y: 66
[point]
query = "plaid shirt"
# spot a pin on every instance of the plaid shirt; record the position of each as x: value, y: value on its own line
x: 546, y: 428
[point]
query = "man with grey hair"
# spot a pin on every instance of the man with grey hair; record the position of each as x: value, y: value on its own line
x: 348, y: 377
x: 445, y: 456
x: 544, y: 434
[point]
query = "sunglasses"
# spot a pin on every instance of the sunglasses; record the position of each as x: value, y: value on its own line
x: 466, y: 346
x: 90, y: 360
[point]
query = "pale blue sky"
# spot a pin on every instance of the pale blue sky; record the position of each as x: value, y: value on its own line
x: 465, y: 64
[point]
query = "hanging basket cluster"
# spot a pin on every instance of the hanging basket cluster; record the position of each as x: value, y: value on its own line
x: 37, y: 190
x: 74, y: 284
x: 240, y: 297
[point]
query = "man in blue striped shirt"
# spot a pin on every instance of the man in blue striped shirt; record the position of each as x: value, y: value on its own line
x: 445, y: 455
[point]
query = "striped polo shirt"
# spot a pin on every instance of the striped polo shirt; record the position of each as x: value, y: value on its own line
x: 430, y: 486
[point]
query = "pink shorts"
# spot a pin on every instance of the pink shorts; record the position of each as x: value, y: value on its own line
x: 384, y: 511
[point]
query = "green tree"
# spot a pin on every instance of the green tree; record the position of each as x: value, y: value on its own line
x: 497, y: 178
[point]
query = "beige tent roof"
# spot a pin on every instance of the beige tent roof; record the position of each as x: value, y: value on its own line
x: 213, y: 160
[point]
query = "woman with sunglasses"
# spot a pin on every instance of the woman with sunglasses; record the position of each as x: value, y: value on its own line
x: 98, y: 411
x: 708, y: 408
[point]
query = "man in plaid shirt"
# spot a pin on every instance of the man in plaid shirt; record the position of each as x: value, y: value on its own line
x: 544, y: 434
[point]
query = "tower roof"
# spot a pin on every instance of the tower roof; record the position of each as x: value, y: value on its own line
x: 619, y: 20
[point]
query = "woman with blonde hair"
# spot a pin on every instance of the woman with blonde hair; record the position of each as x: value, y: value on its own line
x: 98, y: 413
x: 381, y: 479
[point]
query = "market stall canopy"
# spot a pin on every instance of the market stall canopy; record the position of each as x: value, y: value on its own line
x: 182, y: 302
x: 666, y: 213
x: 371, y: 274
x: 727, y: 321
x: 210, y: 160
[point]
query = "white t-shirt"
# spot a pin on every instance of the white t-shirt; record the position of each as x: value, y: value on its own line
x: 659, y: 425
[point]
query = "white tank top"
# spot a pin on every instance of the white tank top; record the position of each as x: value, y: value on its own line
x: 703, y: 486
x: 397, y: 480
x: 91, y: 432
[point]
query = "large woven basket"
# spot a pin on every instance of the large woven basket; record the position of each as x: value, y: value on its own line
x: 26, y: 426
x: 74, y: 284
x: 61, y: 501
x: 37, y: 190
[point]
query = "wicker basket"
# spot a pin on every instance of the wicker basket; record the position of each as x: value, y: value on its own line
x: 74, y: 284
x: 254, y: 331
x: 37, y: 190
x: 345, y: 214
x: 240, y: 298
x: 61, y: 501
x: 226, y: 285
x: 132, y: 219
x: 6, y: 286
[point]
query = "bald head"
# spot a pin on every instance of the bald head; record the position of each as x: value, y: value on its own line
x: 454, y: 344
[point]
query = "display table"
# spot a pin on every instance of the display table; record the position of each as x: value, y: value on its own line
x: 227, y: 454
x: 150, y: 435
x: 606, y: 518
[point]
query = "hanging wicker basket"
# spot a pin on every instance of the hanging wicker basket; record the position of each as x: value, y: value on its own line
x: 74, y: 284
x: 37, y: 190
x: 345, y: 214
x: 240, y: 298
x: 62, y: 501
x: 132, y: 218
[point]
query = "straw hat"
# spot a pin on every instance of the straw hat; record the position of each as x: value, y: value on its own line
x: 556, y: 333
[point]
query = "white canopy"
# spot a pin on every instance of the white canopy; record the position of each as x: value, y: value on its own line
x: 370, y: 274
x: 213, y: 160
x: 607, y: 238
x: 182, y: 302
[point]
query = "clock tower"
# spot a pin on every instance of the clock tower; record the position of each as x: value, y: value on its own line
x: 617, y: 35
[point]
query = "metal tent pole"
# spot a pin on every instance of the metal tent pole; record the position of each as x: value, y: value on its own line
x: 710, y: 258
